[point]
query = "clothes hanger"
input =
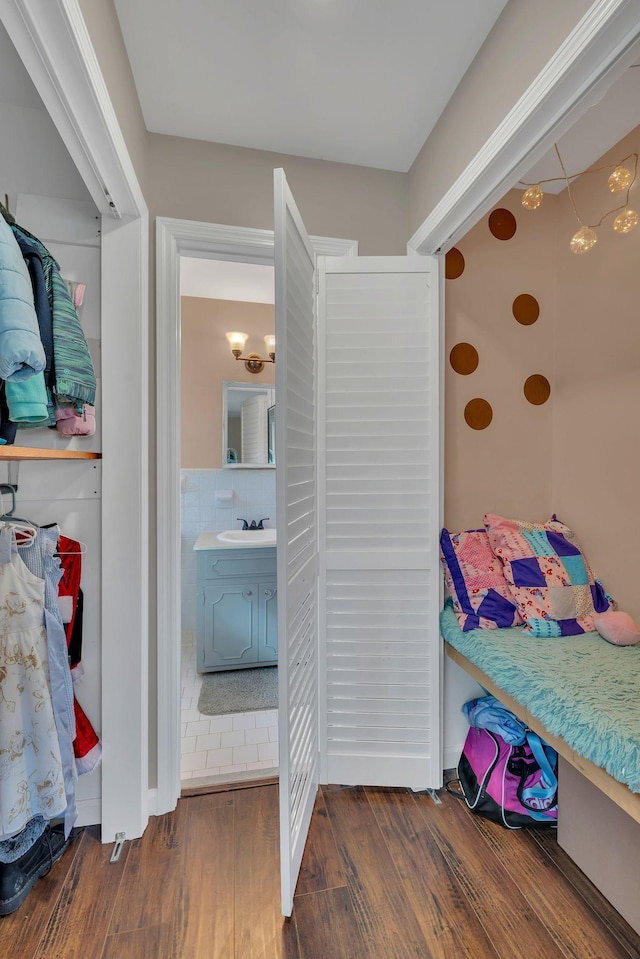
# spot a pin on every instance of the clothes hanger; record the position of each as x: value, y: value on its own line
x: 4, y: 210
x: 23, y: 527
x: 10, y: 516
x: 70, y: 552
x: 74, y: 552
x: 24, y: 530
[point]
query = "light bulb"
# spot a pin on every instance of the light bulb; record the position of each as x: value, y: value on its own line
x: 625, y: 221
x: 532, y: 198
x: 237, y: 341
x: 270, y: 343
x: 619, y: 179
x: 583, y: 240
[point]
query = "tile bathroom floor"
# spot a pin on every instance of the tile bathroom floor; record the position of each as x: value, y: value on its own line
x: 222, y: 748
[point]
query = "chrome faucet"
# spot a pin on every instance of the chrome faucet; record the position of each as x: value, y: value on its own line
x: 253, y: 524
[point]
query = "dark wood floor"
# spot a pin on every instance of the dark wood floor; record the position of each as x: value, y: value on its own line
x: 388, y: 874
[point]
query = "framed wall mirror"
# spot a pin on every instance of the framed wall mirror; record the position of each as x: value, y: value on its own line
x: 248, y: 425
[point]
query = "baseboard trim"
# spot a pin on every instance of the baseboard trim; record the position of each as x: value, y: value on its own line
x: 218, y: 787
x: 451, y: 755
x: 89, y: 812
x: 152, y: 802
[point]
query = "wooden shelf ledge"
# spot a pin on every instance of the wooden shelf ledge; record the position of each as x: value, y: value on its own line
x: 34, y: 453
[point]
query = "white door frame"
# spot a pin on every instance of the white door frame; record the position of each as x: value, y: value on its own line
x: 176, y: 238
x: 53, y: 42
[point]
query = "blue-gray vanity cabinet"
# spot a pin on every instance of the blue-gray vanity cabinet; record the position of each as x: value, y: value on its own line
x: 236, y: 619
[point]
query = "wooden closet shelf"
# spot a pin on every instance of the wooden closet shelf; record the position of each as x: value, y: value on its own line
x: 34, y: 453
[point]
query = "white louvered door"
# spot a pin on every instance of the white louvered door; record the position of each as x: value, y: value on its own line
x: 378, y: 324
x: 297, y: 551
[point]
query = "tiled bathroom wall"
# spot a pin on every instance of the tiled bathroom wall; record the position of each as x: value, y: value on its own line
x: 254, y: 497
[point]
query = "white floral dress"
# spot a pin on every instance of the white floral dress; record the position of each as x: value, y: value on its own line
x: 31, y: 780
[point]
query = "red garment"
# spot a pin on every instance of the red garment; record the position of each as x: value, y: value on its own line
x: 86, y: 745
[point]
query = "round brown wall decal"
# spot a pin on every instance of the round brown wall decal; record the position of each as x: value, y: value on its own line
x: 464, y: 358
x: 526, y: 309
x: 478, y: 414
x: 453, y: 264
x: 502, y: 224
x: 537, y: 389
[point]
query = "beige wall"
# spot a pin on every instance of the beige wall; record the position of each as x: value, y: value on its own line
x: 207, y: 362
x: 106, y: 38
x: 523, y: 40
x: 577, y: 455
x: 506, y: 467
x: 233, y: 185
x: 596, y: 452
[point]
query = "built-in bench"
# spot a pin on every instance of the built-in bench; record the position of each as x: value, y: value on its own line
x: 580, y: 693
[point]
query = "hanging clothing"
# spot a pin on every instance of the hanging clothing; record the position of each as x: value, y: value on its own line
x: 21, y: 351
x: 31, y: 404
x: 40, y: 557
x: 75, y: 380
x: 7, y: 428
x: 33, y: 260
x: 86, y: 746
x: 27, y: 401
x: 31, y: 774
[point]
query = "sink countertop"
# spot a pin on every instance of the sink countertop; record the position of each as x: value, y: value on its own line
x: 210, y: 540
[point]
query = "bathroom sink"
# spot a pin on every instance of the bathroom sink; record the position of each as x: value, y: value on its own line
x: 248, y: 537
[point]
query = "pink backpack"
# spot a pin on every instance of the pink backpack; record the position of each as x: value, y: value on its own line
x: 515, y: 786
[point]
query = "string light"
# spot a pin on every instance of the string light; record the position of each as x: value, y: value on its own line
x: 620, y: 180
x: 532, y: 198
x: 583, y: 240
x: 625, y: 221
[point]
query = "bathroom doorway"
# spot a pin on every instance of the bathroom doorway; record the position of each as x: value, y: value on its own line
x: 220, y: 488
x: 177, y: 239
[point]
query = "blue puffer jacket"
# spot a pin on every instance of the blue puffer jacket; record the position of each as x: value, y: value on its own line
x: 21, y: 352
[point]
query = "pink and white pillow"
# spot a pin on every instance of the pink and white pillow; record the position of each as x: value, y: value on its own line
x: 475, y: 580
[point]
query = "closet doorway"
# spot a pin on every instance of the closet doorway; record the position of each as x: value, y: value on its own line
x: 223, y: 479
x: 52, y: 42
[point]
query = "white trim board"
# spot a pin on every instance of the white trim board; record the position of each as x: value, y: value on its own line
x: 176, y: 238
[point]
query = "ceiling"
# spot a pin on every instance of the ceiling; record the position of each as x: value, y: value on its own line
x: 354, y: 81
x: 226, y: 280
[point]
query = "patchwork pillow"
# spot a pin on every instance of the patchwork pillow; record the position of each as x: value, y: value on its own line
x: 476, y: 582
x: 548, y: 575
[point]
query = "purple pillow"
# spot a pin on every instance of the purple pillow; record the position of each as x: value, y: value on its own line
x: 475, y: 581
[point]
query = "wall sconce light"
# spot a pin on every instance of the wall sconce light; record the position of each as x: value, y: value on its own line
x: 620, y: 181
x: 253, y: 362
